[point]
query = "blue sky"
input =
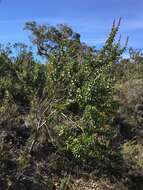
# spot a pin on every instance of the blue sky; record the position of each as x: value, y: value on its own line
x: 91, y: 18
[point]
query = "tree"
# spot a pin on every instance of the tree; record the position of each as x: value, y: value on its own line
x: 79, y: 79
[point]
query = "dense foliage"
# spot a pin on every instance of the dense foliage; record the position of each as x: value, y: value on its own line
x: 67, y: 117
x: 80, y: 84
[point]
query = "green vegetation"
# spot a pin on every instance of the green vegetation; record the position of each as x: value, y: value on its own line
x: 74, y: 122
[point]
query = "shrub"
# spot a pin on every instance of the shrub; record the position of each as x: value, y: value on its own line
x: 81, y: 90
